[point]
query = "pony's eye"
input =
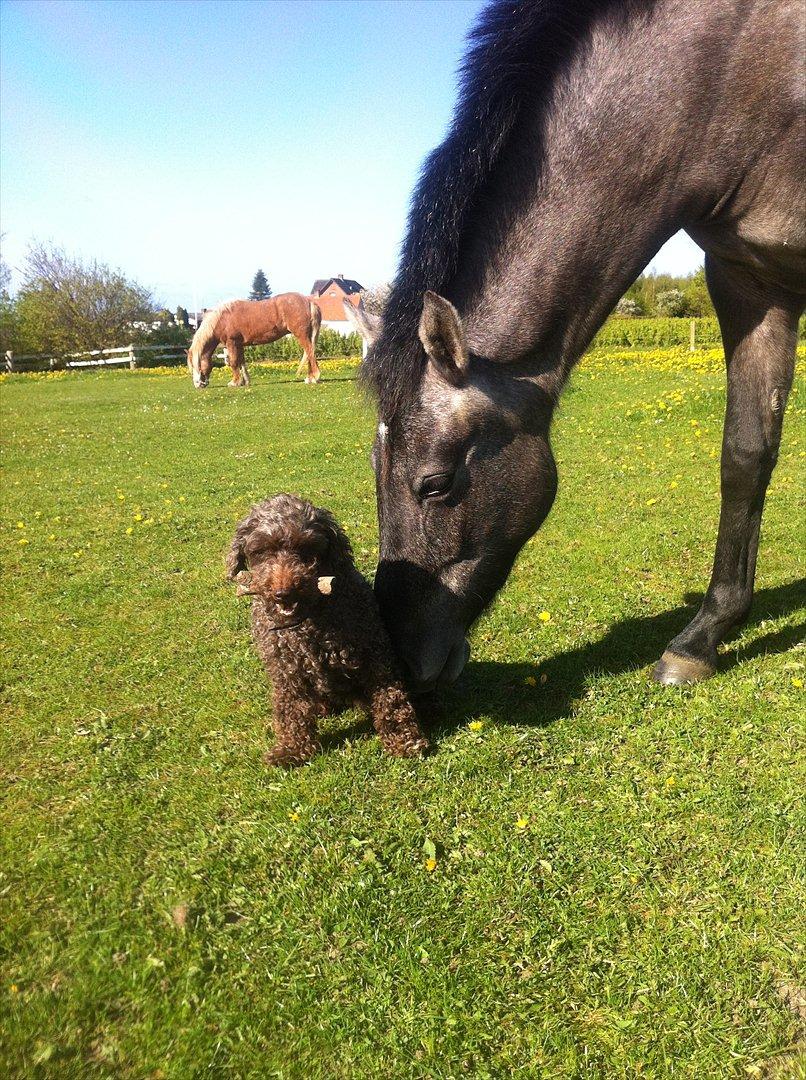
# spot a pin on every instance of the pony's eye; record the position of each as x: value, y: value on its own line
x: 432, y: 487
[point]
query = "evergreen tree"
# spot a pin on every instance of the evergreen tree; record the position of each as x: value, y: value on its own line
x: 260, y: 287
x: 182, y: 318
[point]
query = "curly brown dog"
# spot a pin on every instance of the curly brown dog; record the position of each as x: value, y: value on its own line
x: 317, y: 629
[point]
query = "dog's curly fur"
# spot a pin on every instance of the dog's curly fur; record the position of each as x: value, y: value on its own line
x: 323, y: 653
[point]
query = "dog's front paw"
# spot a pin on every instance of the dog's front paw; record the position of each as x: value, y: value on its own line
x: 408, y: 743
x: 288, y: 756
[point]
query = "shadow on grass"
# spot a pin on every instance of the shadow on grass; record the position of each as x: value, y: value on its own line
x: 500, y: 690
x: 269, y: 381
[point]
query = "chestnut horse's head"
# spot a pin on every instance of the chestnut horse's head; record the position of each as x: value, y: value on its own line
x: 202, y: 349
x: 464, y: 476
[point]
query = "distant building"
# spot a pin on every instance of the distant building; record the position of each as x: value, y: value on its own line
x: 330, y: 294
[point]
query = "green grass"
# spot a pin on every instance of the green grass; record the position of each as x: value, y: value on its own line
x: 619, y: 884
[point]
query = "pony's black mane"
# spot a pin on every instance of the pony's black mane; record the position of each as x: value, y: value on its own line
x: 515, y: 51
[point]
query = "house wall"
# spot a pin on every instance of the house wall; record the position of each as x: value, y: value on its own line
x: 330, y: 303
x: 341, y: 326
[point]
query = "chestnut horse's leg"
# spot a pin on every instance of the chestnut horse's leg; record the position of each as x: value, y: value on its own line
x: 314, y: 374
x: 235, y: 359
x: 759, y: 331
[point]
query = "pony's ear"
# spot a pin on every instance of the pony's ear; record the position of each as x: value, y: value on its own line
x: 236, y: 556
x: 443, y: 338
x: 368, y: 326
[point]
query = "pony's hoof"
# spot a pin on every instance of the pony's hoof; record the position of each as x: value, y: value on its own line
x: 675, y: 670
x: 310, y: 381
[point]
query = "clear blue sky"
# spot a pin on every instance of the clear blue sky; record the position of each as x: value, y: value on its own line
x: 188, y: 143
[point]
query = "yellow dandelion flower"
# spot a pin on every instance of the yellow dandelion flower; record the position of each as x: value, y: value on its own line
x: 129, y: 531
x: 530, y: 680
x: 673, y: 484
x: 293, y: 815
x: 651, y: 502
x: 475, y: 725
x: 521, y: 823
x: 20, y: 524
x: 23, y: 541
x: 138, y: 517
x: 121, y: 498
x: 544, y: 616
x: 798, y: 684
x: 430, y: 864
x: 671, y: 781
x: 181, y: 498
x: 52, y: 536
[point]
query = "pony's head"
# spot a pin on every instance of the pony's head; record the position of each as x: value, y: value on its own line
x: 464, y: 475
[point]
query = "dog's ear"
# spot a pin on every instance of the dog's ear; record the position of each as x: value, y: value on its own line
x: 339, y: 549
x: 236, y: 556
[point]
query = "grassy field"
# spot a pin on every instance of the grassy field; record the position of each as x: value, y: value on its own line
x: 617, y: 882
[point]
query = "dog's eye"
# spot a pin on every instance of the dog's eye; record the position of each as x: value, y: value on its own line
x: 435, y: 486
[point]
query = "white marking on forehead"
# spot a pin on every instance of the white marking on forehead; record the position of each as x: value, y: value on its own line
x: 383, y: 431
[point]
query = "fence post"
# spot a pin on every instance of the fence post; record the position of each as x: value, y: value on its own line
x: 691, y: 334
x: 9, y: 361
x: 132, y: 357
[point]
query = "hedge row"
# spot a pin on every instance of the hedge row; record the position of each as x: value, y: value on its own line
x: 620, y: 333
x: 330, y: 343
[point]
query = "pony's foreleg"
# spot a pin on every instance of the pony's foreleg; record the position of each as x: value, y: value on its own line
x: 759, y: 332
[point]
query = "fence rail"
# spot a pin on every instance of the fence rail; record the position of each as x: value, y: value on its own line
x: 93, y: 358
x: 122, y: 354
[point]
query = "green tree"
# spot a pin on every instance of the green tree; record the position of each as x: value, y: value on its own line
x: 9, y: 320
x: 672, y: 302
x: 182, y: 318
x: 260, y: 287
x: 65, y: 305
x: 697, y: 295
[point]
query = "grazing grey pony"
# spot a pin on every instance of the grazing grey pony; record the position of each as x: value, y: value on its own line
x: 585, y: 135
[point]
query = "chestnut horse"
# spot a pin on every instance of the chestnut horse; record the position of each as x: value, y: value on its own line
x: 254, y: 322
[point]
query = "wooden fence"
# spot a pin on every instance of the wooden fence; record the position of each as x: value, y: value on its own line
x: 131, y: 355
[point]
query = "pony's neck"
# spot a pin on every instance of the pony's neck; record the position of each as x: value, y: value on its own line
x: 582, y: 202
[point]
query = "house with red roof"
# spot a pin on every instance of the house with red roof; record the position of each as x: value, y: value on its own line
x: 330, y: 294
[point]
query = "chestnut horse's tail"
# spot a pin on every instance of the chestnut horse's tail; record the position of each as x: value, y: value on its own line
x: 316, y: 326
x: 316, y: 322
x: 203, y: 336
